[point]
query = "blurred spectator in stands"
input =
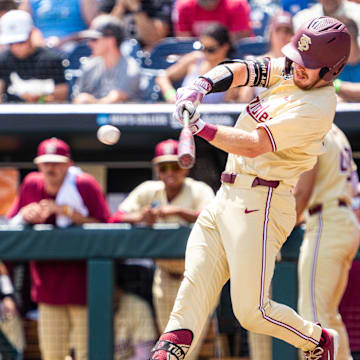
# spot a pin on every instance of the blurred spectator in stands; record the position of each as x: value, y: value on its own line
x: 347, y: 85
x: 174, y: 198
x: 10, y: 320
x: 191, y: 17
x: 216, y: 47
x: 333, y: 8
x: 148, y: 21
x: 294, y: 6
x: 28, y: 73
x: 62, y: 195
x: 7, y: 5
x: 281, y: 31
x: 108, y: 76
x: 134, y: 327
x: 36, y: 36
x: 60, y: 21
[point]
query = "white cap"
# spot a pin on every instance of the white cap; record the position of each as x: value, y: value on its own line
x: 15, y: 26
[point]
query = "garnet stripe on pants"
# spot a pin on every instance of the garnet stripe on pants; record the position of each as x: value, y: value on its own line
x: 263, y: 268
x: 313, y: 272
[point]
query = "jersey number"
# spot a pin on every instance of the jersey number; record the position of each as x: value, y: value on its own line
x: 345, y: 162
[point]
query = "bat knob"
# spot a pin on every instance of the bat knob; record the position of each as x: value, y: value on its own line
x: 186, y: 161
x: 186, y: 150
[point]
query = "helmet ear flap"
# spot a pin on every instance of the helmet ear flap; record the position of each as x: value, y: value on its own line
x: 323, y: 71
x: 327, y: 75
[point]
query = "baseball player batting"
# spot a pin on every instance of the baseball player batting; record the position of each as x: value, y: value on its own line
x: 331, y: 237
x: 238, y: 235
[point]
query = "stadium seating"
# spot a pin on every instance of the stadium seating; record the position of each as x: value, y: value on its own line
x: 167, y: 51
x: 164, y: 54
x: 259, y: 20
x: 149, y: 90
x: 255, y: 46
x: 75, y: 58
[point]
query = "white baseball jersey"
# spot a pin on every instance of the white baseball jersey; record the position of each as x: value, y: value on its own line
x: 330, y: 240
x: 296, y: 122
x: 334, y: 182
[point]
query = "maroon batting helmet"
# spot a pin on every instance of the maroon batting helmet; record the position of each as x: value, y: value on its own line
x: 324, y: 43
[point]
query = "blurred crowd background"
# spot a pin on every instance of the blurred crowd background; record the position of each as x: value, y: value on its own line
x: 115, y: 51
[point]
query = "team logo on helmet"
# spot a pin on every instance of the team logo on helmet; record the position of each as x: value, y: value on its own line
x: 304, y: 43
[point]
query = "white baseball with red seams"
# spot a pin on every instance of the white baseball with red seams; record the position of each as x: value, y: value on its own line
x: 108, y: 134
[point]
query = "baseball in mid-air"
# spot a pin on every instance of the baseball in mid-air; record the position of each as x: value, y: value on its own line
x: 108, y: 134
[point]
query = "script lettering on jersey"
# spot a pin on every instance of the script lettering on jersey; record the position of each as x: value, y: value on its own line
x: 257, y: 110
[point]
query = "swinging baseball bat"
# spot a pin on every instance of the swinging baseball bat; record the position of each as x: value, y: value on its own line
x: 186, y: 151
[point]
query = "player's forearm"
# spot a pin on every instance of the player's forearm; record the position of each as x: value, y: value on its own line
x: 240, y: 142
x: 127, y: 217
x: 189, y: 216
x: 79, y: 219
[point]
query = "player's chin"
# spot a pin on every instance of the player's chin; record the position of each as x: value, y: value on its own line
x: 303, y: 84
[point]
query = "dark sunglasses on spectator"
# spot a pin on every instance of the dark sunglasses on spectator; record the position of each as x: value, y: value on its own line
x: 209, y: 49
x: 172, y: 166
x: 19, y: 42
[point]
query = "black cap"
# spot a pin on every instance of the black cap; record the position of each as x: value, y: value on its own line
x: 105, y: 26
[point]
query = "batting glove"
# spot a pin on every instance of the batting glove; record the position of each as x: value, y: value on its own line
x: 189, y: 98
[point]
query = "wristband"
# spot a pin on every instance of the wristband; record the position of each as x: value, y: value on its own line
x: 170, y: 94
x: 337, y: 85
x: 208, y: 131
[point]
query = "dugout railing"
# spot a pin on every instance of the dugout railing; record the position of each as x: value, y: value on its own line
x: 101, y: 244
x: 23, y: 126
